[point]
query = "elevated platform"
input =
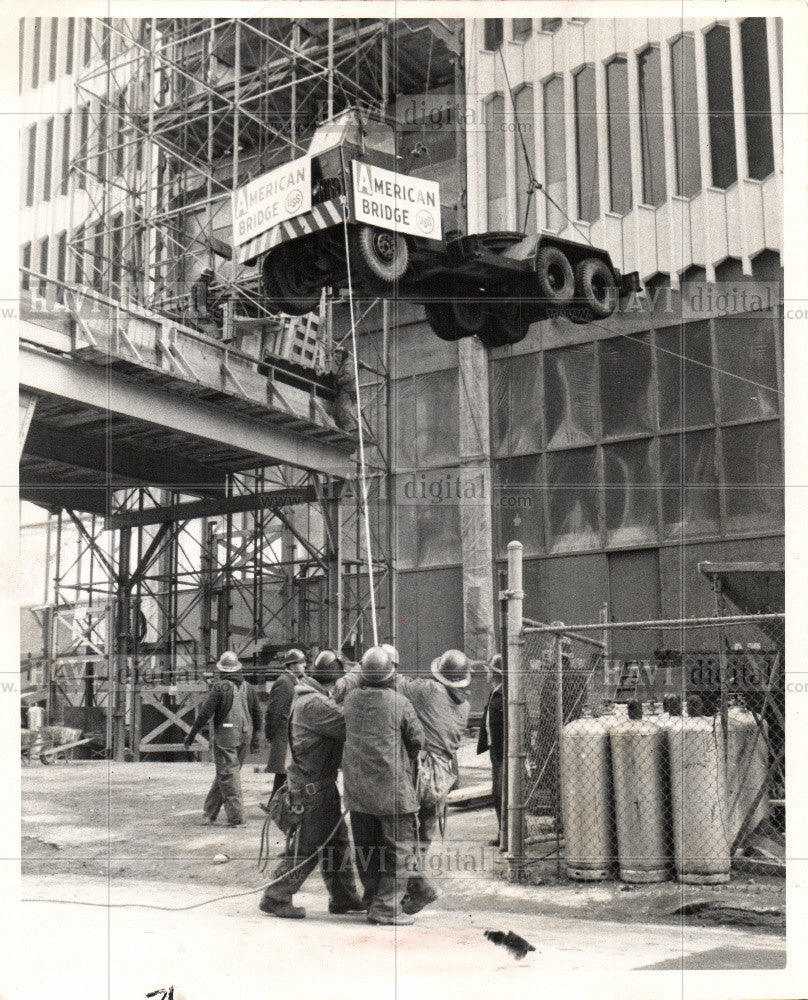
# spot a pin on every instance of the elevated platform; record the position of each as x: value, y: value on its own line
x: 117, y: 396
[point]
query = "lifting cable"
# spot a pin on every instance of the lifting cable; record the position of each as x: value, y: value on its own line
x: 363, y: 488
x: 533, y: 183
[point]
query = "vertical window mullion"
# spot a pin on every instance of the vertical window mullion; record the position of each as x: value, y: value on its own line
x: 67, y: 131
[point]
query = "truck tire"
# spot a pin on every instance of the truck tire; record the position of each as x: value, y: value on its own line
x: 379, y: 257
x: 441, y: 319
x: 507, y: 326
x: 554, y: 276
x: 286, y: 282
x: 596, y: 287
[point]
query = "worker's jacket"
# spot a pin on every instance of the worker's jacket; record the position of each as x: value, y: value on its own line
x: 224, y: 693
x: 442, y: 711
x: 316, y: 736
x: 492, y: 728
x: 276, y: 722
x: 382, y: 733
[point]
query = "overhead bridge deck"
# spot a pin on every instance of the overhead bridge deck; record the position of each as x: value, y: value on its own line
x: 115, y: 396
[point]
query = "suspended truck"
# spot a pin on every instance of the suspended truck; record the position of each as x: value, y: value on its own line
x: 349, y: 209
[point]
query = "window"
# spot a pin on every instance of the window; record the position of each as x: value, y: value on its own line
x: 523, y: 137
x: 652, y: 139
x: 756, y: 97
x: 619, y: 136
x: 61, y: 263
x: 47, y: 167
x: 30, y: 186
x: 35, y: 53
x: 684, y: 362
x: 496, y: 191
x: 555, y: 152
x: 689, y: 484
x: 518, y: 502
x: 626, y: 388
x: 101, y: 159
x: 746, y: 353
x: 551, y: 23
x: 753, y: 473
x: 570, y: 395
x: 586, y: 141
x: 105, y: 39
x: 71, y: 40
x: 98, y: 256
x: 82, y: 154
x: 516, y: 405
x: 685, y: 117
x: 719, y: 101
x: 492, y: 33
x: 66, y: 131
x: 78, y: 254
x: 54, y: 45
x: 521, y: 28
x: 43, y: 265
x: 631, y: 493
x: 26, y: 263
x: 120, y: 125
x: 572, y: 500
x: 88, y: 41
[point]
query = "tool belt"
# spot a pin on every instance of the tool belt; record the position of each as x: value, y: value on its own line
x: 287, y: 807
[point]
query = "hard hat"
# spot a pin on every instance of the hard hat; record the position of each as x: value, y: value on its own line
x: 452, y: 669
x: 391, y: 651
x: 229, y: 663
x: 327, y: 667
x: 293, y: 656
x: 376, y: 667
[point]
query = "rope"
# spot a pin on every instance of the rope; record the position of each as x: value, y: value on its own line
x: 204, y: 902
x: 362, y: 467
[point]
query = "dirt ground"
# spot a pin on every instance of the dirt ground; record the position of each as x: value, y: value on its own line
x: 104, y: 833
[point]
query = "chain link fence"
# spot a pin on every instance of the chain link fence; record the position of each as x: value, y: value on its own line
x: 647, y: 751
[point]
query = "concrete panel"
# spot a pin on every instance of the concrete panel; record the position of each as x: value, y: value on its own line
x: 753, y: 222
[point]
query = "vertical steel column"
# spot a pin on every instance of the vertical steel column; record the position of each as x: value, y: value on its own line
x: 119, y: 665
x: 503, y: 628
x: 516, y: 704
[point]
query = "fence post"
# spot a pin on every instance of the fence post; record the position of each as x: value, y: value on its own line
x: 516, y: 704
x: 503, y: 625
x: 558, y: 650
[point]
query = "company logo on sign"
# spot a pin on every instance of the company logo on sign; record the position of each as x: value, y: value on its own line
x: 271, y: 198
x: 393, y: 201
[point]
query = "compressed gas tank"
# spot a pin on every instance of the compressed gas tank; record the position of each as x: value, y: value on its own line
x: 698, y: 795
x: 36, y: 717
x: 641, y: 798
x: 586, y: 799
x: 747, y: 762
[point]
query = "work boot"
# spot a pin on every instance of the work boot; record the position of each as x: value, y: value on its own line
x: 400, y: 920
x: 276, y: 908
x: 355, y: 905
x: 416, y: 902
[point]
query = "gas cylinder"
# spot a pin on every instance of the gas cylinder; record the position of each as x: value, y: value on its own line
x: 698, y: 794
x: 747, y: 762
x: 586, y: 799
x: 36, y: 717
x: 641, y: 798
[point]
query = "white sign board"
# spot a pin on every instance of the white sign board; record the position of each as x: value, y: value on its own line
x: 271, y: 198
x: 394, y: 201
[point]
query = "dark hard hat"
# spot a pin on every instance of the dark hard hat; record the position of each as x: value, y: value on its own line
x: 292, y: 656
x: 327, y: 667
x: 376, y: 667
x: 452, y: 669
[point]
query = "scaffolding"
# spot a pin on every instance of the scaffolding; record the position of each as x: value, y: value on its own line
x: 175, y: 114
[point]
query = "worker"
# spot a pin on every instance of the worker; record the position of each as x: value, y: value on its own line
x: 382, y: 736
x: 442, y: 707
x: 234, y: 707
x: 492, y: 737
x: 279, y: 708
x: 345, y: 381
x: 316, y: 738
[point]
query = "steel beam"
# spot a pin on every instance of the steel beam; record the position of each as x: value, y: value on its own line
x: 261, y: 441
x: 214, y: 507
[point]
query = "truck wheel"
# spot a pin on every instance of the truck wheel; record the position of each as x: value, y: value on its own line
x: 554, y: 276
x: 379, y: 257
x: 506, y: 327
x: 287, y: 282
x: 596, y: 287
x: 441, y: 319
